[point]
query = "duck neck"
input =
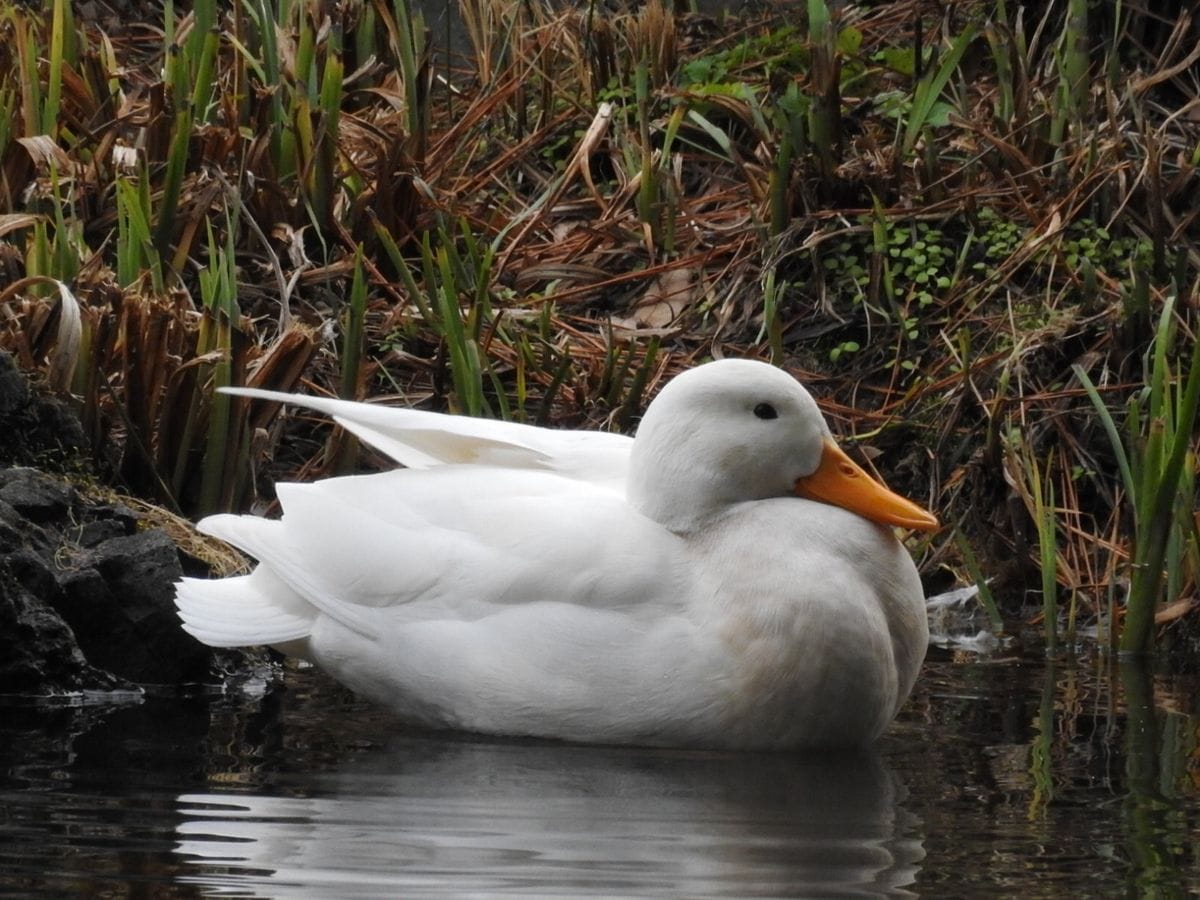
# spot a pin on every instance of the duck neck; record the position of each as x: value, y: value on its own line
x: 678, y: 497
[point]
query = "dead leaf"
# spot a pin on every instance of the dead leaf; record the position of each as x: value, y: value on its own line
x: 15, y: 221
x: 45, y: 152
x: 65, y: 356
x: 667, y: 298
x: 1176, y: 610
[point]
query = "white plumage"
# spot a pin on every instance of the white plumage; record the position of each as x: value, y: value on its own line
x: 679, y: 588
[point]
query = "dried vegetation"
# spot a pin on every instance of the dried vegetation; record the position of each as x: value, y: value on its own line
x: 970, y: 227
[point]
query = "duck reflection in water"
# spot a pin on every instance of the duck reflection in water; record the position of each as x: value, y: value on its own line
x: 457, y: 817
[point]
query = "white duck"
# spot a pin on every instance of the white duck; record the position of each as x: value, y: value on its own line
x: 726, y: 579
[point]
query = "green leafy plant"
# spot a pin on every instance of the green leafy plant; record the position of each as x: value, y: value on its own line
x: 136, y: 251
x: 845, y: 348
x: 448, y: 277
x: 922, y: 262
x: 1156, y: 462
x: 216, y: 340
x: 928, y: 91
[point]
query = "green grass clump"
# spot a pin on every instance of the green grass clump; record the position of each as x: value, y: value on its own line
x: 1157, y: 463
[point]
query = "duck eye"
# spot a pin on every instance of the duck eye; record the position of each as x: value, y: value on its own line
x: 766, y: 411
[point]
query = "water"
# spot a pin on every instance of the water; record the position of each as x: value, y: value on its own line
x: 1000, y: 778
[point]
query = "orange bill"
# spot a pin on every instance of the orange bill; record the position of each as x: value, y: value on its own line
x: 841, y: 481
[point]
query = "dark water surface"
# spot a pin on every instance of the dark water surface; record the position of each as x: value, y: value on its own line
x: 1000, y: 779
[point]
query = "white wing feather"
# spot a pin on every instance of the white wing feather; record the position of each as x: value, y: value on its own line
x: 420, y: 439
x: 458, y: 542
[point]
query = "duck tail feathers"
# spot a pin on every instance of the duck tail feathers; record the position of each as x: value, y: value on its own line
x: 245, y: 611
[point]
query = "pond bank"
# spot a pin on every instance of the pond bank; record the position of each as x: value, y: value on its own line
x: 86, y: 586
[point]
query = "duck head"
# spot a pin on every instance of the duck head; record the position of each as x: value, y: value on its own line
x: 735, y: 430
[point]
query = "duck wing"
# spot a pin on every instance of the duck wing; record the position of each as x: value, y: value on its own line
x: 460, y: 543
x: 420, y: 439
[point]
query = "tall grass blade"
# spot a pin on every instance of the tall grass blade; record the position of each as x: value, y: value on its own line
x: 354, y: 331
x: 325, y: 159
x: 177, y: 157
x: 1162, y: 421
x: 60, y: 15
x: 202, y: 91
x: 408, y: 34
x: 464, y: 351
x: 26, y: 44
x: 986, y: 598
x: 1042, y: 490
x: 1137, y: 636
x: 217, y: 443
x: 824, y: 111
x: 1110, y: 429
x: 1073, y: 60
x: 930, y: 88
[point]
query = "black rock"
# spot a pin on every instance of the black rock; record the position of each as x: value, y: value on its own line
x: 35, y: 497
x: 96, y: 596
x: 17, y: 533
x: 120, y: 602
x: 100, y: 530
x: 86, y: 593
x: 34, y: 429
x: 40, y: 655
x: 14, y: 389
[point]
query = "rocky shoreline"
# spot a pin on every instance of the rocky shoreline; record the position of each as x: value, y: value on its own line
x: 86, y: 584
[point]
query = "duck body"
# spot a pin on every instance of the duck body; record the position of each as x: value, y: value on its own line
x: 546, y: 584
